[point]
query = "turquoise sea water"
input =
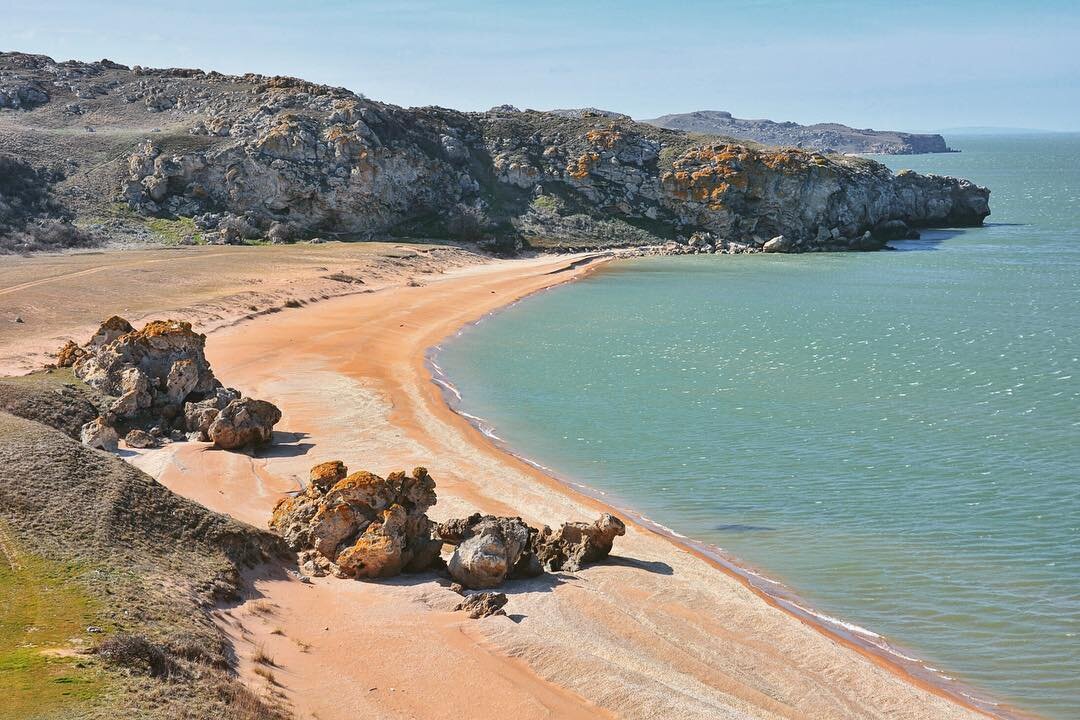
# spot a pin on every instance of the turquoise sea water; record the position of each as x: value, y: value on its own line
x: 894, y: 435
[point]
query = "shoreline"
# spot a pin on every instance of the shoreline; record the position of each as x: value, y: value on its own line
x: 774, y: 592
x: 655, y: 631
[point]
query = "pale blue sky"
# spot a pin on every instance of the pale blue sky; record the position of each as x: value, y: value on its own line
x: 914, y: 64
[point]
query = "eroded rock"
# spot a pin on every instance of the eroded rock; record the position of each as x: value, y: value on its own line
x: 489, y: 549
x: 159, y: 378
x: 484, y: 604
x: 244, y: 422
x: 577, y: 543
x: 97, y: 434
x: 360, y: 525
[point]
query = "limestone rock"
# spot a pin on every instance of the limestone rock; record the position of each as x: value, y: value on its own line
x: 139, y: 439
x: 481, y: 605
x: 360, y: 525
x: 69, y: 354
x: 489, y: 549
x: 110, y: 330
x: 244, y: 422
x: 778, y: 244
x: 577, y: 543
x: 97, y: 434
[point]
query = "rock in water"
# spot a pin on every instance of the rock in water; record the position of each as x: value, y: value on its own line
x: 577, y: 543
x: 360, y: 525
x: 483, y: 605
x: 97, y: 434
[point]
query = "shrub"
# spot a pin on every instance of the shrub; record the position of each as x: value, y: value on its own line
x: 136, y: 654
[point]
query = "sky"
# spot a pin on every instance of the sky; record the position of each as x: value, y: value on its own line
x: 904, y: 64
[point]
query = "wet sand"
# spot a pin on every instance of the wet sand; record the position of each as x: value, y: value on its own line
x: 658, y: 631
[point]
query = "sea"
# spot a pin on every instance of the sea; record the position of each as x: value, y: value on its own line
x: 892, y: 438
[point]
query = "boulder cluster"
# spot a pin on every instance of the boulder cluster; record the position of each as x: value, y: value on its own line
x: 160, y: 387
x: 365, y: 526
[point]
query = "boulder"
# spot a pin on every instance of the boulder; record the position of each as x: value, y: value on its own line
x: 481, y: 605
x: 489, y: 549
x: 577, y: 543
x: 360, y: 525
x: 140, y: 439
x: 244, y: 422
x: 69, y: 354
x: 109, y: 330
x: 778, y: 244
x: 96, y: 434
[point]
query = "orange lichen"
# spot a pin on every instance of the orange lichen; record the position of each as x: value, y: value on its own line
x: 579, y: 169
x: 604, y: 138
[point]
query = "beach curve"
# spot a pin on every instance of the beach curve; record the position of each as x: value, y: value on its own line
x: 655, y: 632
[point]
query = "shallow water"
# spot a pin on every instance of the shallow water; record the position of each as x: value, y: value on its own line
x: 894, y: 435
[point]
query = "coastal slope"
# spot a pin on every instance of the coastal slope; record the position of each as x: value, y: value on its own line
x: 823, y: 137
x: 191, y: 156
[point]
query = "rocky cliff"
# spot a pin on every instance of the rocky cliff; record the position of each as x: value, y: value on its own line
x: 253, y: 157
x: 824, y: 137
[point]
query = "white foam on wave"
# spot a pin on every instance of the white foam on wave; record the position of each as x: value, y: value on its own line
x: 447, y: 386
x: 850, y: 627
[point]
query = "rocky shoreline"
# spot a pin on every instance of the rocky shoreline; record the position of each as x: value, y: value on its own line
x: 233, y: 159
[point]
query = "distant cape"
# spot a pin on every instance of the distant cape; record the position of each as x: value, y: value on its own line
x: 825, y: 137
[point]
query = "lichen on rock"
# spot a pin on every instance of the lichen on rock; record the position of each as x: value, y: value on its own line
x: 360, y: 525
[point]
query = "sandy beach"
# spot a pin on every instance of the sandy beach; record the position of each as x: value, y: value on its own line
x: 659, y: 630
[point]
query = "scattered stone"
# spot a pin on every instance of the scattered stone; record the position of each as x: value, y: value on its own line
x: 482, y: 605
x: 139, y: 439
x: 97, y: 434
x: 778, y: 244
x: 18, y: 319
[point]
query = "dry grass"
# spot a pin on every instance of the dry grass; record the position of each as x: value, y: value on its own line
x: 278, y: 631
x: 267, y: 675
x: 261, y: 607
x: 304, y: 647
x: 262, y: 658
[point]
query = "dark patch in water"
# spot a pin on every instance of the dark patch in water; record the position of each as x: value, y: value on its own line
x: 738, y: 527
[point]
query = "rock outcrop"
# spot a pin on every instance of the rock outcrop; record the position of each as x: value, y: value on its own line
x: 360, y: 525
x: 823, y: 137
x: 283, y: 159
x: 161, y: 385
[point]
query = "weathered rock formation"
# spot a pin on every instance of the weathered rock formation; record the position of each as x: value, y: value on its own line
x: 365, y: 526
x: 162, y: 385
x: 577, y: 543
x: 281, y: 158
x: 823, y: 137
x: 482, y: 605
x: 490, y: 549
x: 360, y: 525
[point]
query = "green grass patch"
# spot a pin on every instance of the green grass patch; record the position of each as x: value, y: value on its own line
x: 42, y: 627
x: 175, y: 231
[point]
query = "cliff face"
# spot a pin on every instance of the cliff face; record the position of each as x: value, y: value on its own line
x: 253, y: 157
x: 825, y: 137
